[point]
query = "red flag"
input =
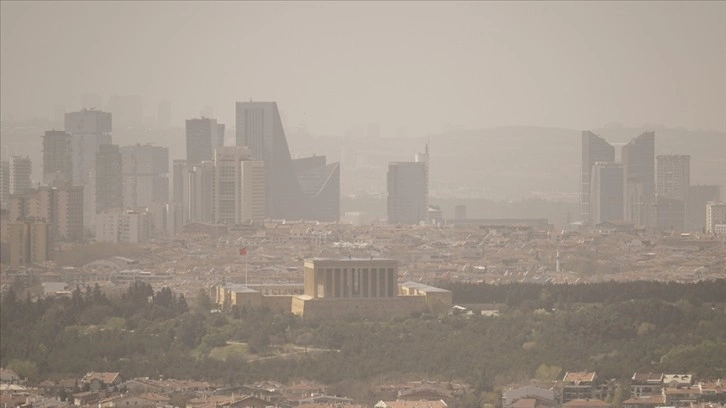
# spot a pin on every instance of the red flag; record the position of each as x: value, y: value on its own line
x: 243, y: 251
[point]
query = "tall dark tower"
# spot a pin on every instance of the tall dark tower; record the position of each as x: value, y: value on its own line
x: 305, y: 188
x: 594, y: 149
x: 638, y: 157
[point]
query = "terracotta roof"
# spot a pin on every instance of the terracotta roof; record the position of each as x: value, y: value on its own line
x: 655, y: 399
x: 647, y: 377
x: 587, y: 403
x: 578, y: 377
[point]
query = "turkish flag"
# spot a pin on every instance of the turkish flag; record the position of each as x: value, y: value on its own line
x: 243, y: 251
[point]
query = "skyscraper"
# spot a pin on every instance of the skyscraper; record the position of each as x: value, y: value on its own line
x: 300, y: 189
x: 594, y: 149
x: 57, y: 157
x: 145, y: 170
x: 204, y: 136
x: 674, y: 178
x: 606, y: 192
x: 638, y: 158
x: 109, y: 187
x: 20, y: 174
x: 90, y: 129
x: 60, y: 205
x: 4, y: 183
x: 716, y: 217
x: 239, y: 186
x: 407, y: 201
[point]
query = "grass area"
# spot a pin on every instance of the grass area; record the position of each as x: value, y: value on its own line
x: 231, y: 349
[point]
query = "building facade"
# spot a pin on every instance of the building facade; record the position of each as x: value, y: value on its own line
x: 638, y: 157
x: 123, y: 226
x: 203, y: 136
x: 698, y: 197
x: 594, y: 149
x: 606, y: 192
x: 57, y: 157
x: 407, y: 200
x: 145, y: 172
x: 238, y: 186
x: 109, y: 181
x: 715, y: 216
x: 20, y: 174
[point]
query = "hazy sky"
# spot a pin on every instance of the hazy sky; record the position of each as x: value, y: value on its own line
x: 415, y: 64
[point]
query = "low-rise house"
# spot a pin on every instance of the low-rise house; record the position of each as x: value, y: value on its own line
x: 651, y: 401
x: 580, y: 385
x: 135, y: 401
x: 677, y: 380
x: 585, y: 403
x: 543, y: 397
x: 646, y: 384
x: 85, y: 398
x: 410, y: 404
x: 101, y: 381
x: 8, y: 376
x: 681, y: 397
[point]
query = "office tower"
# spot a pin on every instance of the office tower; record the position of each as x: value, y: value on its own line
x: 179, y: 170
x: 119, y: 225
x: 407, y: 201
x: 204, y: 136
x: 239, y: 186
x: 594, y: 149
x: 199, y: 192
x: 28, y: 242
x: 606, y: 192
x: 109, y: 186
x: 57, y: 157
x: 716, y: 217
x: 61, y: 206
x: 4, y: 183
x: 638, y: 157
x: 89, y: 129
x: 145, y: 172
x: 20, y: 174
x: 672, y: 190
x: 301, y: 189
x: 698, y: 196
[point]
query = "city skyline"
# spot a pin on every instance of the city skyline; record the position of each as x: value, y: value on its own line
x: 452, y: 65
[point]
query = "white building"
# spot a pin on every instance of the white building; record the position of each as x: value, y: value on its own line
x: 123, y: 226
x: 715, y: 216
x: 238, y: 186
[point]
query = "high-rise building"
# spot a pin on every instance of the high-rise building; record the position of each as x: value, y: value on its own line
x: 199, y: 192
x: 606, y: 192
x: 301, y: 189
x: 698, y: 196
x: 109, y: 186
x: 89, y: 129
x: 28, y: 242
x: 239, y: 186
x: 57, y: 157
x: 204, y: 136
x: 123, y: 226
x: 638, y: 157
x: 407, y: 200
x: 60, y: 205
x: 145, y: 172
x: 594, y: 149
x: 21, y: 170
x: 674, y: 178
x: 715, y: 216
x: 4, y: 183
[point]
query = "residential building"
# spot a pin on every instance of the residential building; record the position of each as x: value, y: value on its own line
x: 580, y: 386
x: 203, y: 136
x: 109, y: 186
x: 407, y: 192
x: 238, y: 186
x: 638, y: 158
x: 28, y: 242
x: 646, y: 384
x: 606, y: 192
x: 698, y: 196
x: 123, y: 226
x: 300, y: 189
x: 57, y: 157
x: 594, y: 149
x: 715, y: 216
x: 60, y: 205
x: 20, y: 171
